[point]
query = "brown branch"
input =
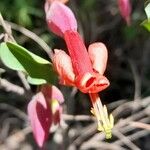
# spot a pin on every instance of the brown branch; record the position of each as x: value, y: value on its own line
x: 13, y: 110
x: 134, y: 136
x: 14, y: 141
x: 143, y: 103
x: 125, y: 140
x: 9, y: 37
x: 10, y: 87
x: 100, y: 145
x: 137, y: 81
x: 141, y: 125
x: 32, y: 36
x: 67, y: 117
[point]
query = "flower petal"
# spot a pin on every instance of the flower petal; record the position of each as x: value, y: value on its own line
x: 52, y: 92
x: 63, y: 65
x: 78, y: 53
x: 91, y: 83
x: 49, y: 2
x: 98, y: 55
x: 55, y: 98
x: 101, y: 84
x: 40, y: 117
x: 60, y: 18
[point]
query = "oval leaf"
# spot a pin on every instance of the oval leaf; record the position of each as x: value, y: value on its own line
x: 18, y: 58
x: 146, y: 24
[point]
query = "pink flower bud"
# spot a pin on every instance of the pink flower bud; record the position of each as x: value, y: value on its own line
x: 40, y: 118
x: 43, y: 110
x: 60, y: 18
x: 125, y: 10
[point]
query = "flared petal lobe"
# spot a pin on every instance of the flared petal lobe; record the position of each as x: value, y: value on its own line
x: 92, y: 83
x: 60, y: 18
x: 63, y: 65
x: 98, y: 55
x: 40, y: 117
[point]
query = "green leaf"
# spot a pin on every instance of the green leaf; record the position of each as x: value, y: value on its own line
x: 35, y: 81
x: 146, y: 24
x: 16, y: 57
x: 147, y: 10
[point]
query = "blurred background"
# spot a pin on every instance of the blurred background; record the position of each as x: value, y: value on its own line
x: 128, y: 71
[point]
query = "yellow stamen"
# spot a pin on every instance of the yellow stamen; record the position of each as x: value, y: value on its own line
x: 105, y: 122
x: 54, y: 105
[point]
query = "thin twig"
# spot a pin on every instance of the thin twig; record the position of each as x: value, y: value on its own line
x: 128, y: 127
x: 10, y: 87
x: 114, y: 105
x: 84, y: 134
x: 134, y: 136
x: 135, y: 117
x: 33, y: 36
x: 14, y: 110
x: 131, y: 104
x: 6, y: 126
x: 137, y: 81
x: 125, y: 140
x: 100, y: 145
x: 141, y: 125
x: 8, y: 31
x: 24, y: 81
x: 14, y: 141
x: 67, y: 117
x: 2, y: 36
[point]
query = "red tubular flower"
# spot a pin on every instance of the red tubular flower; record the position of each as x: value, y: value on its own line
x: 125, y: 10
x: 81, y: 68
x: 87, y: 79
x: 43, y: 110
